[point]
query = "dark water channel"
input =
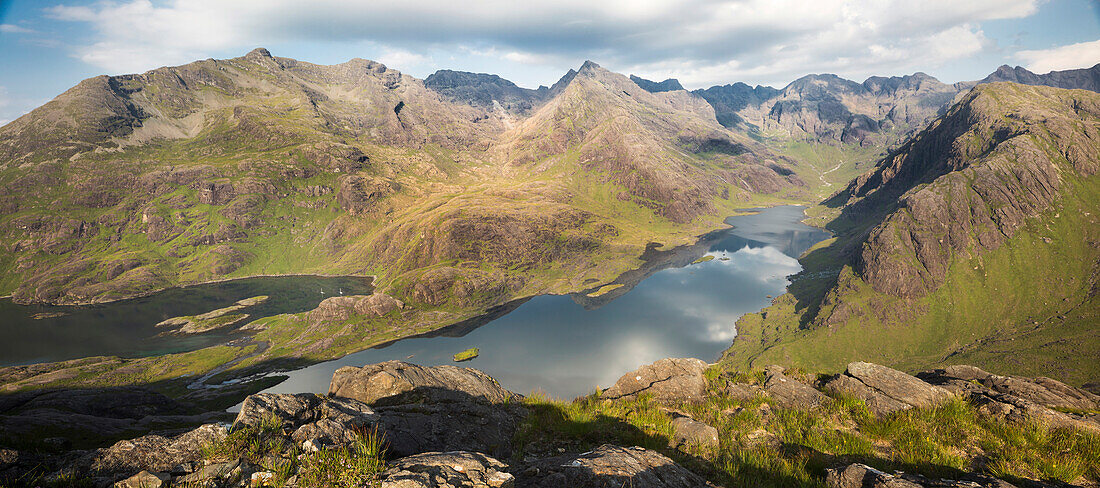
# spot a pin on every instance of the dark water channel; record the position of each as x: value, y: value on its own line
x: 568, y: 345
x: 127, y: 328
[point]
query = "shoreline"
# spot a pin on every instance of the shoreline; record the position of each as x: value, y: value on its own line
x: 373, y: 283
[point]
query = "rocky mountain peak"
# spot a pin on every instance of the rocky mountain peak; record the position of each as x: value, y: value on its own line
x: 671, y: 84
x: 258, y: 53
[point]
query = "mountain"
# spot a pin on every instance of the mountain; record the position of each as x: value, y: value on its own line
x: 671, y: 84
x: 976, y: 241
x: 268, y: 165
x: 1084, y: 79
x: 485, y: 91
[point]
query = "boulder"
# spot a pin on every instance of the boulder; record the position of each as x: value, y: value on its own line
x: 297, y: 410
x: 144, y: 479
x: 791, y: 393
x: 687, y: 431
x: 456, y: 469
x: 863, y: 476
x: 450, y: 426
x: 669, y: 380
x: 398, y: 383
x: 885, y: 390
x: 897, y: 385
x: 610, y: 466
x: 877, y: 403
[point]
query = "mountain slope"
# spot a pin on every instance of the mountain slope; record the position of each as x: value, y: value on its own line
x: 265, y: 165
x: 975, y: 241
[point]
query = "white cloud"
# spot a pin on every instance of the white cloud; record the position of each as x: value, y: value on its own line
x: 701, y: 41
x: 1072, y: 56
x: 15, y: 29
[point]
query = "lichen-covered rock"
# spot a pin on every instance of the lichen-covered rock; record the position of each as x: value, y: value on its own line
x: 398, y: 382
x: 314, y: 421
x: 152, y: 452
x: 668, y: 380
x: 791, y: 393
x: 610, y: 466
x: 456, y: 469
x: 897, y: 385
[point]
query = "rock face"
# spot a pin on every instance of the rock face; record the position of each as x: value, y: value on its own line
x: 457, y: 469
x: 398, y: 383
x: 440, y: 408
x: 885, y: 390
x: 1018, y: 398
x: 669, y: 380
x: 610, y: 466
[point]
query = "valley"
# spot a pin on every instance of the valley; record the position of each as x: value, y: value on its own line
x: 188, y: 237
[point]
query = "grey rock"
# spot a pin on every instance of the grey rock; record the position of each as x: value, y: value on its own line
x: 323, y: 434
x: 743, y: 391
x: 144, y: 479
x: 791, y: 393
x: 398, y: 382
x: 669, y: 380
x: 877, y: 403
x: 154, y: 452
x: 450, y: 426
x: 897, y: 385
x: 298, y: 410
x: 229, y: 470
x: 610, y: 466
x: 457, y: 469
x: 687, y: 431
x: 863, y: 476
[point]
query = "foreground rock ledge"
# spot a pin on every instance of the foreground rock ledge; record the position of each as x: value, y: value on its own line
x: 451, y: 427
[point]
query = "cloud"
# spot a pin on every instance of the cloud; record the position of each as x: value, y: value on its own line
x: 1072, y: 56
x: 701, y: 41
x: 15, y: 29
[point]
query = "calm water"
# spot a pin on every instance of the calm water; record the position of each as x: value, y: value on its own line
x: 568, y: 345
x: 127, y: 328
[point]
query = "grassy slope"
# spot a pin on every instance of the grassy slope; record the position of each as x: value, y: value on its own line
x: 1028, y: 307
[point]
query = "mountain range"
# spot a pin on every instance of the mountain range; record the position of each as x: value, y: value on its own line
x: 463, y: 192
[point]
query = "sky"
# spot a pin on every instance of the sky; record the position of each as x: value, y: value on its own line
x: 47, y: 46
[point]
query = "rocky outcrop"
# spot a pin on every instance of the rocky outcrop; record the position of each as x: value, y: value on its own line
x: 791, y: 393
x: 863, y: 476
x: 1017, y: 398
x: 398, y: 383
x: 668, y: 380
x: 91, y: 414
x: 610, y: 466
x: 440, y: 408
x: 885, y: 390
x: 340, y: 308
x: 315, y: 422
x: 456, y: 469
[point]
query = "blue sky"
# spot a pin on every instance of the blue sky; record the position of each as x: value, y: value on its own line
x: 46, y: 46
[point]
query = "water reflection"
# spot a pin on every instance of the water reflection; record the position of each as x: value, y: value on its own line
x: 555, y: 344
x: 127, y: 328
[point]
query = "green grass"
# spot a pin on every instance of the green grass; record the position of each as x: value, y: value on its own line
x: 764, y: 445
x: 466, y: 355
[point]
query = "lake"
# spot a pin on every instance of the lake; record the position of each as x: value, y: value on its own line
x: 565, y: 346
x: 128, y: 328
